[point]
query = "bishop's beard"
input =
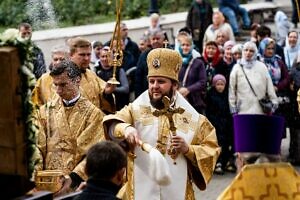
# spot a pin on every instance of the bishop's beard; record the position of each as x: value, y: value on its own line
x: 158, y: 103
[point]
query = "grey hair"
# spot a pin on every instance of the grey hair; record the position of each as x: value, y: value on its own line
x: 157, y: 32
x: 60, y: 49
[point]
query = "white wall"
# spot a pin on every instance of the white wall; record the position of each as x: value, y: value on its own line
x: 48, y: 38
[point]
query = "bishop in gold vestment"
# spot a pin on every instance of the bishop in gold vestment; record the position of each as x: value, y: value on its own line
x: 178, y: 127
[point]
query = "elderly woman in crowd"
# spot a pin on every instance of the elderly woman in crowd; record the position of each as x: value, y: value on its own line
x: 279, y: 75
x: 192, y: 75
x: 242, y: 99
x: 214, y: 63
x: 291, y: 49
x: 275, y: 65
x: 237, y: 52
x: 222, y: 37
x: 228, y: 58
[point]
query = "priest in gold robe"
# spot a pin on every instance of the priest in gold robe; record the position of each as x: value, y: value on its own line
x: 68, y: 125
x: 44, y: 89
x: 185, y: 138
x: 91, y: 86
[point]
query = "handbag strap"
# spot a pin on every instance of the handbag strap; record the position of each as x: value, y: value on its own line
x: 248, y: 80
x: 187, y: 72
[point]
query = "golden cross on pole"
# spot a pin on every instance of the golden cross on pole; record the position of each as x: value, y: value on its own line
x: 168, y: 111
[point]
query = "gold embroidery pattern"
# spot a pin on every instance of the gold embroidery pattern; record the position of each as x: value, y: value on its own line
x: 207, y: 164
x: 144, y: 115
x: 272, y: 181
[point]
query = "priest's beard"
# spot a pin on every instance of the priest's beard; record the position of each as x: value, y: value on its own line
x: 158, y: 103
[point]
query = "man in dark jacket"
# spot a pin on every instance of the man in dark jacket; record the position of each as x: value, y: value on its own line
x: 38, y: 60
x: 141, y: 81
x: 198, y: 19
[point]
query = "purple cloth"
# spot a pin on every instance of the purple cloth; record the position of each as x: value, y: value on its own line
x: 258, y: 133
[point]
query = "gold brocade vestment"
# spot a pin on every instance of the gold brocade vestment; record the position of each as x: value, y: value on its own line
x: 66, y: 133
x: 196, y: 165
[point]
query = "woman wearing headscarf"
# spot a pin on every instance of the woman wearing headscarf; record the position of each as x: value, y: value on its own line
x: 192, y: 75
x: 214, y: 63
x: 228, y: 57
x: 241, y: 98
x: 278, y: 72
x: 291, y: 49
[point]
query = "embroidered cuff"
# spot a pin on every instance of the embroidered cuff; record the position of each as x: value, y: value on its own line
x: 119, y: 130
x: 190, y: 153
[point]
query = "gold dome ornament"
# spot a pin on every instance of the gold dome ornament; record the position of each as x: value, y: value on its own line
x: 115, y: 54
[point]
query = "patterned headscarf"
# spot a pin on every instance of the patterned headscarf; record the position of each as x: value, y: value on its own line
x: 271, y: 62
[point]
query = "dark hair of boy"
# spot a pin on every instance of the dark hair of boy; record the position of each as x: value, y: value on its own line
x: 104, y: 160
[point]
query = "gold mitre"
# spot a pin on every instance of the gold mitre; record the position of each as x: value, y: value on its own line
x: 164, y: 62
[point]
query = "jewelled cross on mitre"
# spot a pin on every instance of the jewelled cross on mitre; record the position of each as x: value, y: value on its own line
x: 169, y: 111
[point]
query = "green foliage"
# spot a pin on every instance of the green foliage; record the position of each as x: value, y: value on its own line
x: 10, y: 37
x: 135, y: 8
x: 81, y: 12
x: 75, y: 11
x: 12, y: 12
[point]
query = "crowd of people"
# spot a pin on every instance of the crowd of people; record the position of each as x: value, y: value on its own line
x: 178, y: 98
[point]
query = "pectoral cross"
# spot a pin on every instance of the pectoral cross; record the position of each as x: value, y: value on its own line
x: 168, y: 111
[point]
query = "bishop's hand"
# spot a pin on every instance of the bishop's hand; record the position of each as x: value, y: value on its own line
x: 179, y: 144
x: 131, y: 136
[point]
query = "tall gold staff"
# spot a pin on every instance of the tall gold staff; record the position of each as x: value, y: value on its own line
x: 115, y: 53
x: 298, y: 10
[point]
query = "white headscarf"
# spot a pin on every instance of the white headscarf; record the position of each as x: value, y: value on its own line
x: 291, y: 53
x: 249, y: 63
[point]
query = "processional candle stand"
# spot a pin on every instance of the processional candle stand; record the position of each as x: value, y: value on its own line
x: 115, y: 53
